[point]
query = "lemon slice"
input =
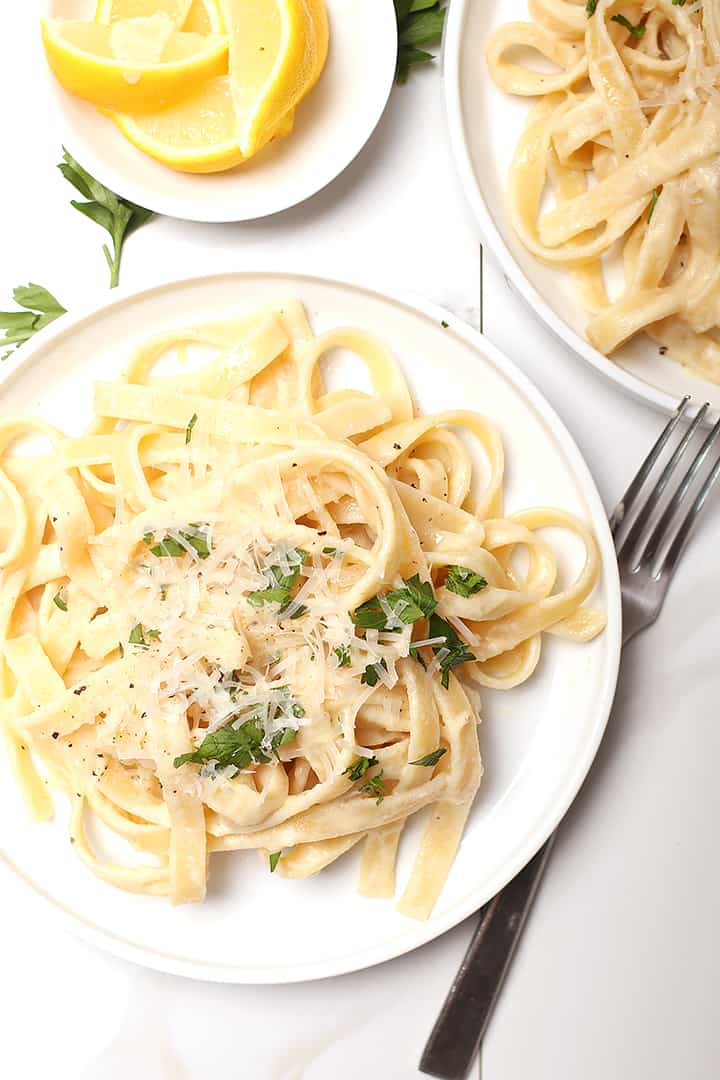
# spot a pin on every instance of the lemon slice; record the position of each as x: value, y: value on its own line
x: 138, y: 65
x: 198, y: 135
x: 192, y: 16
x: 278, y: 49
x: 110, y: 10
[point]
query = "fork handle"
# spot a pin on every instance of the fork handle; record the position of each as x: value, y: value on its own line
x: 464, y: 1017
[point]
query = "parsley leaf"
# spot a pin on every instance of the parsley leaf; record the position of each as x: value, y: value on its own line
x: 415, y: 601
x: 189, y: 429
x: 41, y: 308
x: 359, y: 767
x: 329, y: 551
x: 370, y: 676
x: 59, y: 600
x: 195, y: 536
x: 281, y: 584
x: 419, y: 22
x: 430, y: 759
x: 375, y: 786
x: 343, y: 655
x: 636, y: 31
x: 274, y: 860
x: 117, y: 216
x: 464, y: 581
x: 653, y: 204
x: 454, y: 651
x: 239, y: 746
x: 591, y: 7
x: 139, y: 636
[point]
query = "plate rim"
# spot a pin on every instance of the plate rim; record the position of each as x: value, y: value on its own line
x: 94, y: 161
x: 418, y: 933
x: 632, y: 385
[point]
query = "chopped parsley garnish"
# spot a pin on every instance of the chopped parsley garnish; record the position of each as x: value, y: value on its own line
x: 195, y: 536
x: 415, y: 601
x: 274, y: 860
x: 636, y: 31
x: 139, y: 636
x: 653, y: 204
x: 329, y: 551
x: 298, y: 711
x: 370, y: 674
x: 444, y: 324
x: 59, y: 600
x: 280, y: 584
x: 453, y: 652
x: 239, y: 746
x: 430, y: 759
x: 343, y: 655
x: 591, y: 7
x: 464, y: 581
x: 375, y: 786
x: 359, y: 767
x: 189, y: 429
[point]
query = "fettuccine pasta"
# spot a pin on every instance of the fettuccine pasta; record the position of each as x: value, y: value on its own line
x: 245, y: 613
x: 626, y: 136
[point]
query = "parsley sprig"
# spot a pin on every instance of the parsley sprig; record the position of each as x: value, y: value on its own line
x: 430, y: 759
x: 41, y: 308
x: 636, y: 31
x: 359, y: 767
x: 370, y: 674
x: 239, y: 746
x: 119, y: 217
x: 375, y: 786
x: 464, y: 581
x: 420, y: 22
x: 415, y: 601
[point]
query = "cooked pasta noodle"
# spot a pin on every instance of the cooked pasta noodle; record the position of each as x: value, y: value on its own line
x: 626, y: 135
x: 245, y: 612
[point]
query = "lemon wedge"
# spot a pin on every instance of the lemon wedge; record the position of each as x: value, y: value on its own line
x: 192, y: 16
x: 198, y: 135
x: 278, y: 49
x: 138, y: 65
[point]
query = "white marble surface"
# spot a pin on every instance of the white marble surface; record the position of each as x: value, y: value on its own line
x: 617, y: 974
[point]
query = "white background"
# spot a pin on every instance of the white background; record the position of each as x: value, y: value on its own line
x: 617, y: 975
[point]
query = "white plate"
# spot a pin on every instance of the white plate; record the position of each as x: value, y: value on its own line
x: 537, y: 741
x: 485, y: 125
x: 331, y: 127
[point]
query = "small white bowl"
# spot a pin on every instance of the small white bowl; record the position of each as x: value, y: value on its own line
x: 331, y: 127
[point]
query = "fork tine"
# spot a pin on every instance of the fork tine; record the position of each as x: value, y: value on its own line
x: 660, y: 533
x: 681, y: 537
x: 635, y: 533
x: 626, y: 502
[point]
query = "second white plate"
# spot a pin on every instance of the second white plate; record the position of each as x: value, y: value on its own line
x: 332, y: 126
x: 485, y: 125
x: 537, y: 741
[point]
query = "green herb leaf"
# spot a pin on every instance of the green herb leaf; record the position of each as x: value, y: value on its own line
x: 455, y: 651
x: 343, y: 655
x: 415, y: 601
x: 359, y: 767
x: 59, y: 600
x: 119, y: 217
x: 430, y: 759
x: 189, y: 428
x: 329, y: 551
x: 370, y: 675
x: 375, y: 786
x: 591, y: 7
x: 464, y: 581
x: 274, y: 860
x: 636, y: 31
x: 419, y: 22
x: 281, y: 584
x: 653, y: 204
x: 137, y: 636
x: 229, y: 745
x: 41, y: 309
x: 195, y: 536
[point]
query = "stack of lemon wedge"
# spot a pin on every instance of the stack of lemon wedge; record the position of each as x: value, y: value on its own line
x: 200, y: 85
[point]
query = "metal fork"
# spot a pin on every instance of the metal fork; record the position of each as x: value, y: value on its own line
x: 649, y: 540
